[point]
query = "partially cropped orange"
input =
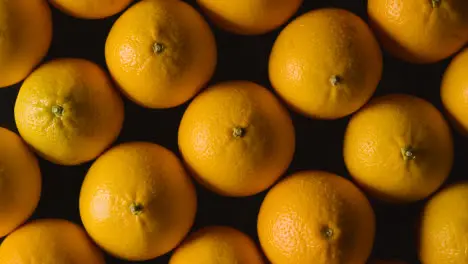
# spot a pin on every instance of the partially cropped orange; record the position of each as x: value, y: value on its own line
x: 137, y: 202
x: 237, y: 138
x: 161, y: 53
x: 444, y: 227
x: 50, y: 241
x: 316, y: 217
x: 91, y: 9
x: 25, y: 37
x: 250, y: 17
x: 326, y: 64
x: 69, y: 111
x: 454, y: 91
x: 420, y: 31
x: 399, y: 148
x: 217, y: 245
x: 20, y: 182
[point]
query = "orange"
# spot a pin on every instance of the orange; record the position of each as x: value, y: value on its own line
x: 49, y: 241
x: 420, y: 31
x: 68, y: 111
x: 25, y: 37
x: 326, y: 64
x: 444, y: 229
x: 316, y: 217
x: 20, y: 182
x: 454, y: 91
x: 91, y: 9
x: 217, y: 245
x: 250, y: 17
x: 161, y: 53
x: 237, y: 138
x: 137, y: 202
x: 399, y: 148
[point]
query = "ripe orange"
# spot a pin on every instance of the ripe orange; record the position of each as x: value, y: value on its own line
x: 237, y: 138
x: 20, y: 182
x: 25, y: 37
x: 217, y: 245
x: 137, y: 202
x: 316, y: 217
x: 399, y: 148
x: 454, y: 91
x: 420, y: 31
x: 444, y: 229
x: 161, y: 53
x: 49, y: 241
x: 91, y: 9
x: 250, y: 17
x: 68, y: 111
x: 326, y: 64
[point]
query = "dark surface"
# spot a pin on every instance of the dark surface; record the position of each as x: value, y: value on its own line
x: 319, y: 143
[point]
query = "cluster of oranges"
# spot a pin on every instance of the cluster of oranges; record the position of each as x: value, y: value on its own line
x: 236, y: 138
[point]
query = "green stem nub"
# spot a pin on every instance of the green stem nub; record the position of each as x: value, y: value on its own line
x: 327, y: 232
x: 408, y: 153
x: 57, y: 110
x: 136, y: 208
x: 238, y: 132
x: 436, y: 3
x: 158, y: 48
x: 335, y: 80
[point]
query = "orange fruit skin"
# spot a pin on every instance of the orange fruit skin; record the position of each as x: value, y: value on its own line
x: 444, y: 228
x: 68, y: 111
x: 91, y: 9
x: 316, y: 217
x: 137, y: 202
x: 161, y: 53
x: 250, y: 17
x: 217, y: 245
x: 243, y: 164
x: 418, y: 32
x: 20, y: 182
x: 49, y: 241
x: 326, y: 64
x: 25, y: 37
x: 378, y: 139
x: 454, y: 91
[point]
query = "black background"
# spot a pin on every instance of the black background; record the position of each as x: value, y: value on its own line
x: 319, y: 143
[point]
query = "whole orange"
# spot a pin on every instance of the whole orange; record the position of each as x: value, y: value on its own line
x: 250, y: 17
x: 20, y: 182
x: 420, y: 31
x: 237, y: 138
x: 137, y: 202
x: 399, y: 148
x: 217, y: 245
x: 326, y: 64
x: 161, y: 53
x: 49, y: 241
x: 444, y: 228
x: 91, y: 9
x: 68, y: 111
x: 316, y: 217
x: 454, y: 91
x: 25, y: 37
